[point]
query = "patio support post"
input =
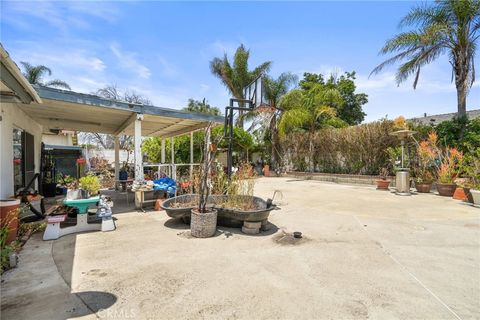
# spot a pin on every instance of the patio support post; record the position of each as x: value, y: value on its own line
x: 172, y: 149
x: 163, y: 151
x: 117, y: 161
x: 191, y: 155
x: 173, y: 170
x: 137, y: 150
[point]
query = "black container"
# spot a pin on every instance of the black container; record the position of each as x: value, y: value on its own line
x: 49, y: 190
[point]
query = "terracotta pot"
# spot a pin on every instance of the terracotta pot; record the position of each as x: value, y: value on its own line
x: 423, y: 187
x: 383, y: 184
x: 459, y: 194
x: 446, y: 189
x: 203, y: 225
x: 475, y: 196
x: 468, y: 194
x: 9, y: 217
x: 266, y: 170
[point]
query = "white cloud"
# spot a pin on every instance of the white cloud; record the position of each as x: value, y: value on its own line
x: 62, y: 15
x: 128, y: 61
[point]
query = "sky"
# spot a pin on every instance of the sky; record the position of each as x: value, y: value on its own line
x: 162, y: 49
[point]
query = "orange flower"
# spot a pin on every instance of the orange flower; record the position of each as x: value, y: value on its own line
x: 433, y: 138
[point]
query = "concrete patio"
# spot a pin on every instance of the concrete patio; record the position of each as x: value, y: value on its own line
x: 365, y: 254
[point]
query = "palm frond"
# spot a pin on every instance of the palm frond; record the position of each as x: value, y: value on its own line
x: 58, y: 84
x: 293, y: 118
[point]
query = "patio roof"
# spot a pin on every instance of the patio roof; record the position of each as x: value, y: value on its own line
x: 61, y: 109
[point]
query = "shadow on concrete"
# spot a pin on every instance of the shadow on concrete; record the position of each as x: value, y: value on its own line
x: 178, y: 224
x: 96, y: 300
x: 63, y: 254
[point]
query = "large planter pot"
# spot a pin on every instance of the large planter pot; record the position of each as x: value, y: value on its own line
x: 468, y: 194
x: 446, y: 189
x: 9, y: 217
x: 475, y: 196
x: 423, y: 187
x: 203, y: 225
x: 459, y: 194
x: 266, y: 170
x: 180, y: 207
x: 382, y: 184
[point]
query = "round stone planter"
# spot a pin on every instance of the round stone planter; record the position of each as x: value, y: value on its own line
x: 423, y: 187
x: 446, y: 189
x: 475, y: 196
x: 468, y: 194
x: 383, y: 184
x: 203, y: 225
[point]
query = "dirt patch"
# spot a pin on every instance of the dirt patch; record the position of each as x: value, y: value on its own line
x: 287, y: 239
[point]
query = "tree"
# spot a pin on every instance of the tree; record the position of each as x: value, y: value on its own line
x: 35, y: 75
x: 237, y: 76
x: 310, y: 110
x: 107, y: 141
x: 351, y: 110
x: 202, y: 107
x: 275, y: 89
x: 446, y: 26
x: 242, y: 143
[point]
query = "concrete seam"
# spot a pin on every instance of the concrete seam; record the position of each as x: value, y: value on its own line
x: 408, y: 272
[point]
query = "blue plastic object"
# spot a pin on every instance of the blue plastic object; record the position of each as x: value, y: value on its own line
x: 166, y: 184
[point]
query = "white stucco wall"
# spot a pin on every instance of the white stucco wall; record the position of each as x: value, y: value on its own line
x: 13, y: 116
x: 57, y: 140
x: 109, y: 155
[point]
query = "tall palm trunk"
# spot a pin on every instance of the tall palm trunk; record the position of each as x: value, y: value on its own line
x: 461, y: 83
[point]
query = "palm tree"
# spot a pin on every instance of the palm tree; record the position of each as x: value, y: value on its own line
x: 35, y: 74
x: 447, y: 26
x: 308, y: 111
x: 237, y: 76
x: 274, y: 90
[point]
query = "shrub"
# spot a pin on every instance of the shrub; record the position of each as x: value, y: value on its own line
x: 356, y: 150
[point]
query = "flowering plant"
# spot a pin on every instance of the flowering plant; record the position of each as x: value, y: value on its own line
x: 425, y: 165
x: 433, y: 160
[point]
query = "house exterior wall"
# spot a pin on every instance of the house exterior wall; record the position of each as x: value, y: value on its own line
x: 13, y: 117
x: 57, y: 140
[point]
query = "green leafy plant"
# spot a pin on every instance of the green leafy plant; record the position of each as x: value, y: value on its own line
x: 6, y: 249
x: 383, y: 173
x: 470, y: 168
x: 90, y: 183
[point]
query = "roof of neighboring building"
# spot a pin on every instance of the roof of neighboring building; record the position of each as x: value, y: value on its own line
x: 13, y: 86
x: 437, y: 118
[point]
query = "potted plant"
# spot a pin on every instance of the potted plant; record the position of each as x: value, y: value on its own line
x: 90, y: 184
x: 448, y: 171
x: 383, y: 183
x: 203, y: 222
x: 423, y: 167
x: 471, y: 187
